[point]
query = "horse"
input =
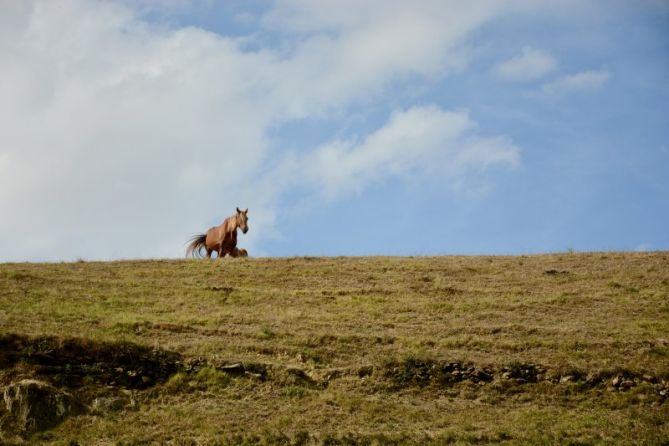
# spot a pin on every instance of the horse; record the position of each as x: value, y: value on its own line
x: 221, y: 238
x: 239, y: 252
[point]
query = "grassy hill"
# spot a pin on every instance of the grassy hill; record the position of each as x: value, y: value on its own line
x: 549, y: 349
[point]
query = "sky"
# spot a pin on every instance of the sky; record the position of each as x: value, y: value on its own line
x: 376, y: 127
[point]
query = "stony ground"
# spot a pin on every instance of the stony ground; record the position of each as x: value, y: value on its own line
x: 552, y: 349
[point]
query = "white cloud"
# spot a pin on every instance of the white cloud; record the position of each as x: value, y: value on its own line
x: 305, y: 16
x: 104, y: 124
x: 530, y: 65
x: 351, y: 51
x: 416, y: 142
x: 121, y: 138
x: 589, y: 80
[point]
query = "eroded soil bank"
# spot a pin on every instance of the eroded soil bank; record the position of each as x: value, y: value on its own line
x: 94, y: 377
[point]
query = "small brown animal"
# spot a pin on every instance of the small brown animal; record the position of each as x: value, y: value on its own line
x: 221, y: 238
x: 239, y: 252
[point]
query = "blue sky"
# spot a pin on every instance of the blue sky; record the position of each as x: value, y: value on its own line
x: 377, y: 127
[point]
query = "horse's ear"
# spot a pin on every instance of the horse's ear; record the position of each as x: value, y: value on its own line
x: 246, y: 211
x: 238, y: 211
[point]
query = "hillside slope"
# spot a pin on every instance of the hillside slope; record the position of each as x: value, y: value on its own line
x: 531, y: 349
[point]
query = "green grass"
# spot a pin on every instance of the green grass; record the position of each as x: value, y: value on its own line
x: 356, y: 350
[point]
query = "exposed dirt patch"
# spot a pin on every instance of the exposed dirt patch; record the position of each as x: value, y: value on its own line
x: 421, y: 373
x: 226, y: 290
x: 556, y: 272
x: 418, y: 372
x: 74, y: 362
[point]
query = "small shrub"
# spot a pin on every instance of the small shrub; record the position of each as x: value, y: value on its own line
x: 177, y: 382
x: 210, y: 377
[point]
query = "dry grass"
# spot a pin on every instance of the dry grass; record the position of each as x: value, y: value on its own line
x: 340, y: 343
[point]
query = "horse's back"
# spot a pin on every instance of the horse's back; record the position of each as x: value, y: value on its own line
x: 213, y: 238
x: 218, y: 239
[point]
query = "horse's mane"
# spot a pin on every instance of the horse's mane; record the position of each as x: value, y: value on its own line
x: 230, y: 224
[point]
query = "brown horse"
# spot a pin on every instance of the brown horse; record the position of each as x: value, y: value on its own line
x: 239, y: 252
x: 221, y: 238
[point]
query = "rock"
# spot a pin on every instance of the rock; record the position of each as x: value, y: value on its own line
x: 566, y: 379
x: 481, y: 376
x: 38, y: 406
x: 627, y: 384
x: 257, y: 376
x: 233, y: 369
x: 616, y: 381
x: 194, y: 365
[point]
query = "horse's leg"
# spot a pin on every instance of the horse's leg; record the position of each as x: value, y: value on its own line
x: 209, y: 253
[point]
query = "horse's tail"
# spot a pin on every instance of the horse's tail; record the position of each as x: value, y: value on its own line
x: 197, y: 242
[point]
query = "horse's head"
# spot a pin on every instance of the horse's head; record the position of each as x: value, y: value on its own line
x: 243, y: 220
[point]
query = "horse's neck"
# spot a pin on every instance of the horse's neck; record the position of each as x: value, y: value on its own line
x: 230, y: 225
